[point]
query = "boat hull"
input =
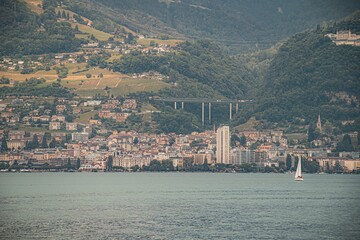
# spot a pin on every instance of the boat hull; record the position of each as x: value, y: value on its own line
x: 299, y: 179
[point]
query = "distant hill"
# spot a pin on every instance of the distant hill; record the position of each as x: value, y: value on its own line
x: 238, y: 23
x: 241, y: 25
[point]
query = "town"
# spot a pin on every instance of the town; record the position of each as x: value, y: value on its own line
x: 102, y: 125
x: 48, y: 136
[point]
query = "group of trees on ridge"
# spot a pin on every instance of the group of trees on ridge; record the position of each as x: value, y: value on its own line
x: 24, y: 32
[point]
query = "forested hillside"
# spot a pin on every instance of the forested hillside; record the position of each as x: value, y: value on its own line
x: 24, y: 32
x: 311, y: 75
x: 239, y: 24
x: 200, y: 69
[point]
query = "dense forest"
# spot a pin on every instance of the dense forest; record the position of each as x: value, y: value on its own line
x: 24, y: 32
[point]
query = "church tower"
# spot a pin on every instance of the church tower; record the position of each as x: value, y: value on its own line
x: 318, y: 124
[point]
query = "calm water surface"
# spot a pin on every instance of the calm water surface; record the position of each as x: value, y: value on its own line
x: 178, y: 206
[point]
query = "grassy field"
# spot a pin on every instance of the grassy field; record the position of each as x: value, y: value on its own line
x: 34, y: 5
x: 296, y: 136
x: 49, y: 76
x: 118, y: 84
x: 114, y: 56
x: 88, y: 31
x: 71, y: 13
x: 171, y: 42
x: 84, y: 118
x: 148, y: 107
x: 251, y: 124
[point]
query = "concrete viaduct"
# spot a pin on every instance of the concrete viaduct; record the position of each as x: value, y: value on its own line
x: 203, y: 101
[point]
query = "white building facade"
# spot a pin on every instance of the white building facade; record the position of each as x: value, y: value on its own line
x: 223, y: 145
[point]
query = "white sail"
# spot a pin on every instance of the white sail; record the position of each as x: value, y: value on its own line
x: 298, y: 171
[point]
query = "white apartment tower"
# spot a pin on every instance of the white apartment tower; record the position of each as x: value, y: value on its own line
x: 223, y: 145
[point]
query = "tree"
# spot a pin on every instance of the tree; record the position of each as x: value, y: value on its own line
x: 35, y: 142
x: 311, y: 166
x: 44, y: 142
x: 155, y: 166
x: 243, y: 140
x: 109, y: 163
x: 78, y: 163
x: 312, y: 135
x: 53, y: 143
x: 288, y: 162
x: 135, y: 168
x: 347, y: 143
x: 4, y: 146
x: 338, y: 168
x: 69, y: 164
x: 136, y: 140
x: 76, y: 28
x: 234, y: 139
x: 206, y: 165
x: 130, y: 39
x: 167, y: 165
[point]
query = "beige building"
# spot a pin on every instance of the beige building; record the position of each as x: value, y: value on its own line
x: 345, y: 38
x: 348, y: 165
x: 54, y: 126
x: 223, y: 145
x: 71, y: 126
x: 200, y: 158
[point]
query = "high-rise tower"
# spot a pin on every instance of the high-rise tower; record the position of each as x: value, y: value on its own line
x: 223, y: 145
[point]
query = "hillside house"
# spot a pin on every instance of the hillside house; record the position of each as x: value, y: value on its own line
x: 71, y: 126
x: 345, y: 37
x: 54, y: 126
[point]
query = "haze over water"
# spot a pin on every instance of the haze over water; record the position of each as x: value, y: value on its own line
x: 178, y: 206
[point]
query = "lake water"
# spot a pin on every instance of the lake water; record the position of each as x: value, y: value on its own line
x: 178, y: 206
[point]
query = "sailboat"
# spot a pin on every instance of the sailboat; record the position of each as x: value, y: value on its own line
x: 298, y: 176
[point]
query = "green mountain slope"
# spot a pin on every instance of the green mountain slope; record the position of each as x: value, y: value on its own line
x: 311, y: 75
x: 240, y: 24
x: 201, y: 64
x: 24, y: 32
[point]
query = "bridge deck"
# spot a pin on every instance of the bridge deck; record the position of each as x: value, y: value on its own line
x: 201, y: 100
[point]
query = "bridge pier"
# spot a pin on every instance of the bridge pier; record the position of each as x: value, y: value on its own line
x: 230, y: 115
x: 237, y: 108
x: 210, y: 112
x: 203, y: 113
x: 175, y: 105
x: 182, y: 105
